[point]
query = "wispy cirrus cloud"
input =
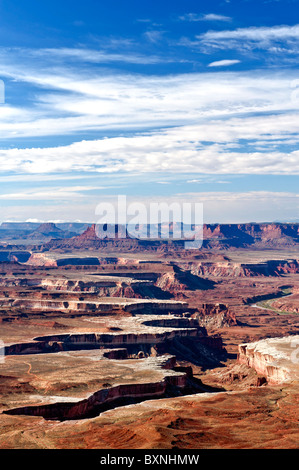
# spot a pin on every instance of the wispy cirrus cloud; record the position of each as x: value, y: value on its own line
x: 87, y: 55
x: 252, y: 37
x: 49, y: 193
x: 68, y: 99
x: 154, y: 36
x: 228, y: 122
x: 204, y: 17
x: 224, y: 63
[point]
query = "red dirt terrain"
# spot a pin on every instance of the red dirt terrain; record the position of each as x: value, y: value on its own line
x: 127, y: 344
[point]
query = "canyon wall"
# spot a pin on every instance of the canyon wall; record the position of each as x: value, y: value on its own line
x: 274, y: 358
x: 230, y: 269
x: 117, y: 395
x: 214, y: 316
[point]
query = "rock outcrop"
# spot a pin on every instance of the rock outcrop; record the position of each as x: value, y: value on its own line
x: 91, y: 239
x: 289, y: 304
x: 178, y: 280
x: 214, y: 316
x: 225, y: 269
x: 274, y: 358
x: 244, y: 235
x: 110, y: 397
x: 47, y: 230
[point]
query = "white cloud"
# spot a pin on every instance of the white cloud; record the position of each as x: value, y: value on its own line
x: 49, y: 193
x: 256, y: 33
x: 252, y: 37
x: 204, y: 17
x: 215, y: 17
x: 203, y: 119
x: 210, y: 147
x: 207, y: 180
x: 221, y: 207
x: 68, y: 211
x: 34, y: 221
x: 96, y: 56
x: 242, y: 207
x: 154, y: 36
x: 37, y: 178
x: 89, y: 102
x: 239, y: 196
x: 224, y: 63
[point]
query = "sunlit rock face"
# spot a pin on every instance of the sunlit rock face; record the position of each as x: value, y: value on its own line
x: 275, y: 358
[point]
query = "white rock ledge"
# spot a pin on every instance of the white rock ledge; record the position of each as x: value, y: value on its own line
x: 275, y: 358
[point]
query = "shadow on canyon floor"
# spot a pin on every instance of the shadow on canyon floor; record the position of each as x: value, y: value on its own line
x: 65, y: 411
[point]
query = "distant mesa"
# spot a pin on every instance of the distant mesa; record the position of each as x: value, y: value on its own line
x: 45, y: 231
x: 91, y: 238
x: 267, y: 235
x: 215, y: 236
x: 48, y: 227
x: 98, y: 232
x: 49, y: 230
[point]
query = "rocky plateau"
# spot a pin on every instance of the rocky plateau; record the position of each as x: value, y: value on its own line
x: 141, y: 344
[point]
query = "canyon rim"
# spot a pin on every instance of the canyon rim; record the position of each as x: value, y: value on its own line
x: 149, y: 230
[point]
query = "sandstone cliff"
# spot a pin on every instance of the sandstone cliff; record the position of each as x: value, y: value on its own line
x: 274, y: 358
x: 117, y: 395
x: 214, y: 316
x: 232, y: 269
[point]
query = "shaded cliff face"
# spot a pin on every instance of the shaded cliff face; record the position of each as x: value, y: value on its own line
x: 179, y: 281
x: 14, y: 256
x: 161, y: 368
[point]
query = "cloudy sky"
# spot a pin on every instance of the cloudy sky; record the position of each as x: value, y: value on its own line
x: 180, y: 100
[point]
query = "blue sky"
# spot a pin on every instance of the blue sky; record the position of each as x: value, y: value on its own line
x: 166, y: 101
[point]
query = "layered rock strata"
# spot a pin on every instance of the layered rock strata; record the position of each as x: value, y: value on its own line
x: 62, y: 342
x: 275, y: 358
x: 108, y: 398
x: 225, y: 269
x: 102, y: 306
x: 215, y: 316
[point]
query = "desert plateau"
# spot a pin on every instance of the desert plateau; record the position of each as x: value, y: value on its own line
x: 149, y: 232
x: 129, y: 344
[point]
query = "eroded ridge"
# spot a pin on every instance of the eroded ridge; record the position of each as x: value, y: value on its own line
x: 157, y: 374
x: 137, y: 332
x: 275, y: 358
x: 173, y: 383
x: 90, y: 329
